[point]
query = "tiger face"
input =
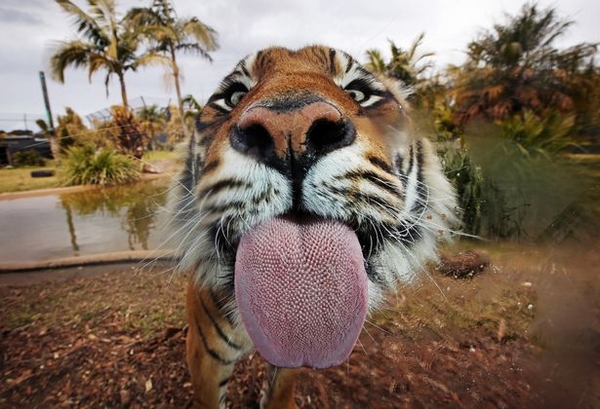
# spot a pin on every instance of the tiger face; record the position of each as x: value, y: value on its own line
x: 304, y: 197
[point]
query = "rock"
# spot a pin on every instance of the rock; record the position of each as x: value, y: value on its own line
x: 465, y: 264
x: 150, y: 168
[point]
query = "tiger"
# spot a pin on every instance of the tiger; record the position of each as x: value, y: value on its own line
x: 305, y: 196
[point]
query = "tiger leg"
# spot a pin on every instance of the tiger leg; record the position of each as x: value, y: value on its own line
x: 279, y: 388
x: 213, y: 347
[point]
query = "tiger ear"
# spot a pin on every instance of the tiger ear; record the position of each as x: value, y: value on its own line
x: 399, y: 90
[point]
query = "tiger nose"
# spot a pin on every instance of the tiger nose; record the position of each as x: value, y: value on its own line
x: 307, y: 131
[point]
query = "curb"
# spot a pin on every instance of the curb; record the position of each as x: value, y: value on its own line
x: 93, y: 259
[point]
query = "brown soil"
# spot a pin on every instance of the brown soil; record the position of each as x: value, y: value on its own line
x: 114, y: 336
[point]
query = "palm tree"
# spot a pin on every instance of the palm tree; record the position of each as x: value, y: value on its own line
x: 169, y: 34
x: 105, y: 43
x: 409, y: 65
x: 153, y: 120
x: 515, y: 67
x: 375, y: 62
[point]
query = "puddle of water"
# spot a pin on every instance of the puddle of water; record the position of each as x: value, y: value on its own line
x: 81, y: 223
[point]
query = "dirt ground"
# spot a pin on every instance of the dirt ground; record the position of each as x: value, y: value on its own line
x: 114, y: 336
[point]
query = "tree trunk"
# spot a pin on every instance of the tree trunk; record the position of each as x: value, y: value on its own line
x: 123, y: 91
x: 178, y: 90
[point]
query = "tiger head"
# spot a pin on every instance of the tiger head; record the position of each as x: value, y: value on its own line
x: 304, y: 197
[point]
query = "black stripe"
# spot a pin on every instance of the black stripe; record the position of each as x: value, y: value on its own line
x: 224, y: 382
x: 421, y: 188
x: 218, y: 108
x: 206, y: 140
x: 221, y: 304
x: 223, y: 208
x: 370, y: 199
x: 384, y: 100
x: 224, y: 184
x: 259, y: 62
x: 244, y: 68
x: 322, y: 56
x: 190, y: 173
x: 207, y: 129
x: 398, y: 163
x: 381, y: 164
x: 211, y: 352
x: 411, y: 160
x: 350, y: 63
x: 210, y: 166
x: 362, y: 197
x: 202, y: 126
x: 219, y: 329
x: 332, y: 54
x: 375, y: 179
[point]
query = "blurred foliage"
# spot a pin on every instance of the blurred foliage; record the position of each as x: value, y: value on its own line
x: 515, y: 68
x: 505, y: 120
x: 127, y: 132
x: 27, y: 158
x: 175, y: 129
x: 71, y: 131
x: 153, y: 121
x: 547, y: 135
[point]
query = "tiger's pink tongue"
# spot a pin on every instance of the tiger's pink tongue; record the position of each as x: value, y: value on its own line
x: 301, y: 290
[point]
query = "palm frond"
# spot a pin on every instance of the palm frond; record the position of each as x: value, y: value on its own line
x: 201, y: 33
x: 87, y: 26
x: 68, y: 54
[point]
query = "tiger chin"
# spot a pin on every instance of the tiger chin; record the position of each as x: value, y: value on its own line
x: 304, y: 198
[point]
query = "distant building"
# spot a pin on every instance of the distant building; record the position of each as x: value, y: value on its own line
x: 13, y: 143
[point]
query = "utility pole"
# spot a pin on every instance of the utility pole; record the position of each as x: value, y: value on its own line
x: 54, y: 146
x: 46, y: 101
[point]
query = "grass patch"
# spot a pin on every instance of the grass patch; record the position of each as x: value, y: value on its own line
x: 20, y: 180
x: 153, y: 156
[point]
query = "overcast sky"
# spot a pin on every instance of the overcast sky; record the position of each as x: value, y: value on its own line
x: 30, y: 28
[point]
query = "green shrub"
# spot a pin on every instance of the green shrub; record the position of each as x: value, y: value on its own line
x: 86, y: 166
x: 468, y: 182
x: 27, y: 158
x: 534, y: 135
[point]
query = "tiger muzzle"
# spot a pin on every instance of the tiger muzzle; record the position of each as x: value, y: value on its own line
x: 291, y: 136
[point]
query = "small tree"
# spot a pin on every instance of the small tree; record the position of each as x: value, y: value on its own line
x: 175, y: 129
x: 153, y: 121
x: 128, y: 133
x: 71, y: 131
x: 50, y: 134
